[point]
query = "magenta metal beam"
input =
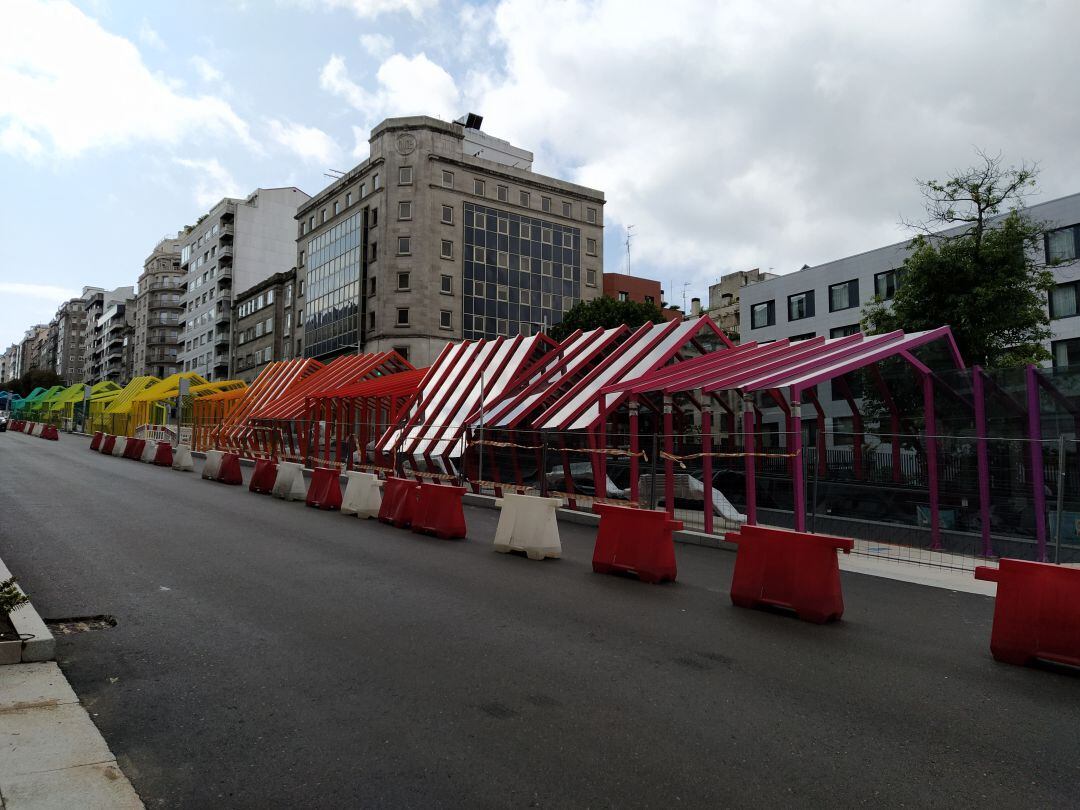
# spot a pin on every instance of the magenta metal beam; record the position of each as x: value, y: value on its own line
x: 982, y: 459
x: 1038, y: 485
x: 706, y: 464
x: 749, y: 429
x: 931, y: 459
x: 798, y: 482
x: 669, y: 464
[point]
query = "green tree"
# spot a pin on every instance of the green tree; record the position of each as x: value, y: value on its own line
x: 984, y: 280
x: 607, y: 313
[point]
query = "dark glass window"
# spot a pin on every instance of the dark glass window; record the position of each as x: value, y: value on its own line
x: 1064, y: 300
x: 886, y: 284
x: 1062, y: 244
x: 1066, y: 352
x: 763, y: 314
x: 800, y: 305
x: 844, y: 331
x: 844, y: 295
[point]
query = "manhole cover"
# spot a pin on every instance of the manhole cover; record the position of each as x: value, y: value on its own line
x: 80, y: 624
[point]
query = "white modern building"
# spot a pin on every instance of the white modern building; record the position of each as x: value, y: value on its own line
x: 235, y: 245
x: 829, y: 299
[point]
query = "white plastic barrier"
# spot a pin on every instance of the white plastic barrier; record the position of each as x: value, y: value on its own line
x: 527, y: 523
x: 289, y: 484
x: 362, y: 495
x: 37, y: 429
x: 149, y: 451
x: 181, y: 459
x: 212, y: 465
x: 119, y: 445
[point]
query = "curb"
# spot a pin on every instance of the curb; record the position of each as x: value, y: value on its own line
x: 42, y: 647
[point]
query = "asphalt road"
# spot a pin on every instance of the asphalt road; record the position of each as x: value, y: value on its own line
x: 270, y: 655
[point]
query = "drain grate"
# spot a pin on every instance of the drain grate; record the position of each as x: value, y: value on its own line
x: 80, y: 624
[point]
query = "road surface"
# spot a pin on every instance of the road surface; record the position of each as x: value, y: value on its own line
x: 270, y: 655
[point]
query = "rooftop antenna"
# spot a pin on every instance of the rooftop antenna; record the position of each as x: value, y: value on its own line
x: 685, y: 284
x: 629, y: 236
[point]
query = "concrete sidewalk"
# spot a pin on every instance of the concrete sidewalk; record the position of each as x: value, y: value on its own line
x: 51, y: 754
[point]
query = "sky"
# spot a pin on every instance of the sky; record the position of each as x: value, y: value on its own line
x: 730, y: 135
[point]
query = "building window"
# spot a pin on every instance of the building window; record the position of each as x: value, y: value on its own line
x: 375, y: 182
x: 1066, y: 352
x: 302, y: 255
x: 649, y: 299
x: 590, y: 215
x: 447, y: 250
x: 567, y: 209
x: 403, y: 351
x: 445, y: 321
x: 322, y: 216
x: 337, y: 208
x: 844, y: 295
x: 404, y: 209
x: 446, y: 284
x: 447, y: 215
x: 590, y: 247
x: 887, y: 283
x: 523, y: 199
x: 311, y: 223
x: 545, y: 204
x: 590, y: 277
x: 800, y: 305
x: 624, y: 296
x: 1063, y: 300
x: 371, y: 285
x: 478, y: 187
x: 844, y: 331
x: 503, y: 193
x: 403, y: 281
x: 1062, y: 244
x: 403, y: 316
x: 404, y: 176
x: 803, y: 336
x: 404, y: 246
x: 373, y: 218
x: 348, y: 199
x: 371, y: 320
x: 448, y: 179
x: 763, y: 314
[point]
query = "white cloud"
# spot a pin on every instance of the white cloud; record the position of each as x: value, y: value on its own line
x: 744, y: 134
x: 17, y: 141
x: 47, y: 292
x: 377, y: 46
x: 310, y: 143
x: 73, y: 87
x: 404, y: 86
x: 213, y: 181
x: 149, y: 37
x: 207, y: 72
x: 369, y: 9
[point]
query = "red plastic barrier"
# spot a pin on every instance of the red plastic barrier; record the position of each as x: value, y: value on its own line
x: 107, y: 445
x: 95, y: 443
x: 324, y: 492
x: 789, y: 569
x: 438, y: 511
x: 635, y: 541
x: 398, y: 502
x: 229, y: 471
x: 16, y: 425
x: 28, y: 427
x: 1037, y: 612
x: 263, y: 476
x: 134, y: 449
x: 163, y: 455
x: 49, y: 432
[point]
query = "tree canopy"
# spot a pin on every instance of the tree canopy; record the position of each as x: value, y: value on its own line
x: 607, y: 313
x: 986, y: 280
x: 34, y: 378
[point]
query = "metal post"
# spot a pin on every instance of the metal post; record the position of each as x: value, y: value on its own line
x: 1060, y: 498
x: 543, y: 465
x: 634, y: 448
x: 798, y: 478
x: 931, y: 461
x: 653, y: 500
x: 813, y: 504
x: 982, y: 458
x: 480, y: 446
x: 706, y: 460
x: 748, y: 459
x: 669, y: 463
x: 1037, y: 483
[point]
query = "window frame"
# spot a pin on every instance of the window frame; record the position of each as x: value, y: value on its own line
x: 407, y: 241
x: 1076, y: 244
x: 446, y: 249
x: 407, y: 276
x: 405, y: 205
x: 399, y: 323
x: 808, y: 305
x: 444, y: 218
x: 849, y: 284
x: 770, y: 314
x: 405, y: 175
x: 446, y: 319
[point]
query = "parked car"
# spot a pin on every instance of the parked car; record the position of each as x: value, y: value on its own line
x: 3, y: 422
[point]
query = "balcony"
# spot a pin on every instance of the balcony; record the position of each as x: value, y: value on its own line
x: 161, y: 357
x: 160, y: 338
x: 227, y: 231
x: 221, y: 361
x: 163, y: 320
x: 166, y: 302
x: 175, y: 286
x: 225, y: 254
x: 221, y: 339
x: 223, y: 316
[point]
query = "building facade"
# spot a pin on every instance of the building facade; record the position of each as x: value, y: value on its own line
x: 237, y: 244
x: 108, y: 334
x: 444, y: 233
x: 33, y: 349
x: 263, y: 325
x: 828, y: 299
x: 158, y: 306
x: 623, y: 287
x: 71, y: 333
x: 9, y: 363
x: 724, y: 297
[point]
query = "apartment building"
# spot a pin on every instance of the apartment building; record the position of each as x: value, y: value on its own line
x: 444, y: 233
x: 158, y: 306
x: 828, y: 299
x: 71, y: 334
x: 235, y: 245
x: 623, y: 287
x: 8, y: 363
x: 263, y: 324
x: 109, y: 330
x: 33, y: 349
